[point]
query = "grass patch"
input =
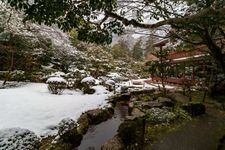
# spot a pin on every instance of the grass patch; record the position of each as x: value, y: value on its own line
x: 154, y: 132
x: 197, y: 96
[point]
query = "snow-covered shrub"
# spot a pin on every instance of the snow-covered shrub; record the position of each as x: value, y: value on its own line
x: 18, y: 139
x: 88, y: 80
x: 71, y: 83
x: 114, y: 76
x: 102, y: 79
x: 17, y: 75
x: 56, y: 85
x: 66, y: 125
x: 2, y: 74
x: 68, y: 131
x: 36, y: 47
x: 58, y: 74
x: 110, y: 82
x: 87, y: 83
x: 157, y: 115
x: 74, y: 77
x: 110, y: 85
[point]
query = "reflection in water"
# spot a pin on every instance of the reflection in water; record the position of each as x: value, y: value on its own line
x: 97, y: 135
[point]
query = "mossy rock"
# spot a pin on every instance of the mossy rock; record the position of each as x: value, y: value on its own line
x: 151, y: 104
x: 99, y: 115
x: 72, y: 137
x: 178, y: 97
x: 83, y: 123
x: 115, y: 143
x: 144, y: 97
x: 68, y: 132
x: 48, y: 144
x: 131, y: 132
x: 166, y: 101
x: 122, y: 97
x: 194, y: 109
x: 156, y: 95
x: 146, y: 92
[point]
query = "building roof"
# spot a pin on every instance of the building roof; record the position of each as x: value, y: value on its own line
x: 161, y: 43
x: 151, y: 57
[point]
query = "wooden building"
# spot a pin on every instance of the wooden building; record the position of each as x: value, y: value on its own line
x: 185, y: 65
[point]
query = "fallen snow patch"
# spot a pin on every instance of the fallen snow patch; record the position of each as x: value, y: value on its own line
x: 33, y: 107
x: 140, y: 84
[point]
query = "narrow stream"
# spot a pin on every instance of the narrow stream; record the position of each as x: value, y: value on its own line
x: 97, y: 135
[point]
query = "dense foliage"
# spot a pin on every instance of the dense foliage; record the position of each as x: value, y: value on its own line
x: 97, y: 20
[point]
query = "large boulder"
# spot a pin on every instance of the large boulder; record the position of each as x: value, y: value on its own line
x: 122, y: 97
x: 151, y: 104
x: 166, y: 101
x: 124, y: 89
x: 218, y: 88
x: 135, y: 113
x: 115, y: 143
x: 52, y: 143
x: 83, y: 123
x: 147, y: 91
x: 68, y: 132
x: 178, y: 97
x: 194, y: 109
x: 69, y: 135
x: 131, y: 132
x: 97, y: 116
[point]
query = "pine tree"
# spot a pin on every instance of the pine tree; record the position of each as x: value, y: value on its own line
x: 137, y: 51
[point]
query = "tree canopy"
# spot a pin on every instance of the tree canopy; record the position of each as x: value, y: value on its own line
x: 97, y: 20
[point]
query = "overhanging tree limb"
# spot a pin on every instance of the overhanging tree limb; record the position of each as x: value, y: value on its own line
x: 205, y: 13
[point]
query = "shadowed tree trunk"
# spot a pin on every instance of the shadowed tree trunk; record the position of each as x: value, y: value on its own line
x: 215, y: 50
x: 7, y: 76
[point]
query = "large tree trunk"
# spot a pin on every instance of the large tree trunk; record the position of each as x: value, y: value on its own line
x: 7, y: 76
x: 163, y: 85
x: 215, y: 50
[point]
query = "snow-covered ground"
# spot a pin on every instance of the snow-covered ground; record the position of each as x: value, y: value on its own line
x: 32, y: 107
x: 141, y: 84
